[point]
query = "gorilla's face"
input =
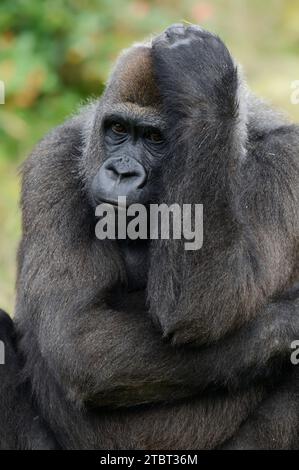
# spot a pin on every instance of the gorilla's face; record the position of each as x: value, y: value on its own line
x: 127, y: 148
x: 134, y: 147
x: 130, y: 131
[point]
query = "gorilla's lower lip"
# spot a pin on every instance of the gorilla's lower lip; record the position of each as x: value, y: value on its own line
x: 112, y: 203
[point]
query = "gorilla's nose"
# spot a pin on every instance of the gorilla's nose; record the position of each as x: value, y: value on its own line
x: 126, y: 171
x: 118, y: 176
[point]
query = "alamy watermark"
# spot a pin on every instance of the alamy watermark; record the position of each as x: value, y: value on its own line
x: 295, y: 92
x: 2, y: 353
x: 295, y: 354
x: 153, y: 222
x: 2, y: 92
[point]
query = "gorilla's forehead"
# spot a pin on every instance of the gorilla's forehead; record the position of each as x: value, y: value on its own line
x: 143, y: 115
x: 132, y: 80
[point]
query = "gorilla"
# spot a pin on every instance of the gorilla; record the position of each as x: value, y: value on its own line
x: 21, y: 426
x: 122, y: 344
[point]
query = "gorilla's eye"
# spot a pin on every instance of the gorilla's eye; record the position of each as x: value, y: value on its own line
x: 154, y: 136
x: 118, y: 128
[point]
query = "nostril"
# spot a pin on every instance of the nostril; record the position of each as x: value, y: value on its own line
x: 129, y: 174
x: 121, y: 172
x: 111, y: 172
x: 126, y: 171
x: 142, y: 179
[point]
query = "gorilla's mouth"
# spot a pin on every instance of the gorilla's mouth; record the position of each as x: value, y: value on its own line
x: 123, y: 202
x: 118, y: 205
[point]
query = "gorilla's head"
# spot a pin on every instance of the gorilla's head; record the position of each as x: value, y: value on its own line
x: 125, y: 146
x: 127, y: 140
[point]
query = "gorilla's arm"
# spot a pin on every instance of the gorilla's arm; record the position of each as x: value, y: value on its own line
x: 274, y: 425
x: 246, y: 176
x: 65, y: 277
x: 20, y: 426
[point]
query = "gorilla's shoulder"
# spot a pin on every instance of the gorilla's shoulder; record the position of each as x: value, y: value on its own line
x: 66, y: 136
x: 51, y: 173
x: 265, y: 123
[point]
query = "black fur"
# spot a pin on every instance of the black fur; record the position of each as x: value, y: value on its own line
x: 103, y: 374
x: 21, y: 426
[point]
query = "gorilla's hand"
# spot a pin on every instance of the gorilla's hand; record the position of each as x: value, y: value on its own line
x: 206, y: 75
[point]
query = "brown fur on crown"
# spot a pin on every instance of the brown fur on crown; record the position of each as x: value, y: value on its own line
x: 132, y: 79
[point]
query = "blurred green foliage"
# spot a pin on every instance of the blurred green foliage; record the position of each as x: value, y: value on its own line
x: 54, y: 54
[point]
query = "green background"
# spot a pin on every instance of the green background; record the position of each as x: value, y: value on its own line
x: 54, y: 54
